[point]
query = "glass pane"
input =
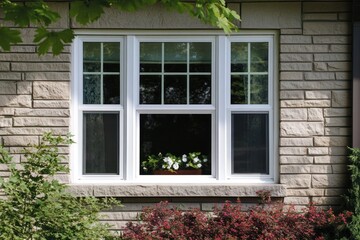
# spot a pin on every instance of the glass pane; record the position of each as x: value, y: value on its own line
x: 101, y: 143
x: 150, y: 89
x: 92, y: 57
x: 239, y: 57
x: 175, y: 57
x: 177, y: 134
x: 200, y: 57
x: 259, y: 57
x: 175, y: 89
x: 111, y: 57
x: 250, y: 145
x: 200, y: 89
x: 92, y: 88
x: 239, y: 89
x: 150, y: 57
x: 111, y: 89
x: 259, y: 89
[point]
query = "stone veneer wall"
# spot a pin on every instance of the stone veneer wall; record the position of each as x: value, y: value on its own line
x: 314, y: 92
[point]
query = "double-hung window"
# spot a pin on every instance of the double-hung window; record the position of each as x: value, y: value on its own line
x: 137, y: 96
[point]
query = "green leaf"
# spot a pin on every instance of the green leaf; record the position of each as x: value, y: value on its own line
x: 8, y: 37
x: 52, y: 41
x: 87, y: 11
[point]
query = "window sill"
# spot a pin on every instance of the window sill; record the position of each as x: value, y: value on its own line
x: 176, y: 190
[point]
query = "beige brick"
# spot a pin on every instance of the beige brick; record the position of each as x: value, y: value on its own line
x: 337, y: 112
x: 20, y: 140
x: 321, y: 169
x: 320, y: 85
x: 338, y: 151
x: 7, y: 87
x: 23, y: 49
x: 15, y: 101
x: 340, y: 48
x: 331, y: 39
x: 7, y: 111
x: 335, y: 191
x: 345, y: 16
x: 332, y: 57
x: 294, y: 169
x: 315, y: 114
x: 291, y: 94
x: 296, y: 160
x: 34, y: 67
x: 297, y: 200
x: 33, y: 130
x: 293, y: 114
x: 40, y: 122
x: 292, y: 150
x: 301, y: 129
x: 56, y: 76
x: 331, y: 141
x: 295, y: 66
x: 24, y: 87
x: 292, y: 103
x: 329, y: 6
x: 33, y: 57
x: 318, y: 151
x: 51, y: 90
x: 320, y: 16
x: 343, y: 76
x: 338, y: 131
x: 10, y: 76
x: 317, y: 103
x: 296, y: 180
x: 320, y: 66
x: 5, y: 122
x: 295, y: 39
x: 291, y: 76
x: 330, y: 159
x: 319, y: 76
x: 4, y: 67
x: 318, y: 94
x: 341, y: 99
x: 328, y: 200
x: 340, y: 168
x: 51, y: 104
x: 63, y: 9
x: 328, y: 180
x: 296, y: 57
x: 338, y: 122
x: 128, y: 216
x: 322, y: 28
x: 291, y: 31
x: 305, y: 192
x: 339, y: 66
x: 304, y: 48
x: 42, y: 112
x: 296, y: 142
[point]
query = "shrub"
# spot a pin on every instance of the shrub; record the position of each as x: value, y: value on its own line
x: 37, y: 206
x: 271, y: 221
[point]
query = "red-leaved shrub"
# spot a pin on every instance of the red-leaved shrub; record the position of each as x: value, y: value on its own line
x: 269, y: 221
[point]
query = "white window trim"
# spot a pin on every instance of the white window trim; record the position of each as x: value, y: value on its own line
x: 129, y: 113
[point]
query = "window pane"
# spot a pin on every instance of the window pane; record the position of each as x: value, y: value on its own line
x: 177, y: 134
x: 175, y: 89
x: 239, y: 89
x: 239, y: 57
x: 150, y: 57
x: 250, y: 145
x: 259, y: 57
x: 92, y: 86
x: 259, y: 89
x: 92, y: 57
x: 111, y: 89
x: 175, y: 57
x: 101, y: 143
x: 150, y: 89
x: 200, y: 89
x: 200, y: 57
x: 111, y: 57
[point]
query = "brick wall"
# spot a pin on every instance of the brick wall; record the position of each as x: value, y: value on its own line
x: 314, y: 92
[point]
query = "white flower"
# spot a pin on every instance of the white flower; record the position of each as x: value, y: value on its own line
x: 176, y: 166
x: 163, y: 166
x: 166, y: 159
x: 196, y: 160
x: 199, y: 165
x: 145, y: 168
x: 187, y: 165
x: 184, y: 158
x: 205, y: 160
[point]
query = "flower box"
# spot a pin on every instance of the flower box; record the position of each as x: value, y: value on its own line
x: 179, y: 172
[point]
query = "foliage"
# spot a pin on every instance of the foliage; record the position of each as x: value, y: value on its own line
x: 270, y: 221
x: 173, y: 163
x: 37, y: 206
x: 353, y: 198
x: 38, y: 13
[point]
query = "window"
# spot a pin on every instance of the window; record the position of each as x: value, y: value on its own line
x: 135, y: 97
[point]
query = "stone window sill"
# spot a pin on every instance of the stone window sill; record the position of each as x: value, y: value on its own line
x: 176, y: 190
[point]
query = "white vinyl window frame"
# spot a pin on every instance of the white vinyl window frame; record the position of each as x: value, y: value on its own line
x: 220, y: 109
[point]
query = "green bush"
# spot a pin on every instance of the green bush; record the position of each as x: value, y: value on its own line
x: 37, y: 206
